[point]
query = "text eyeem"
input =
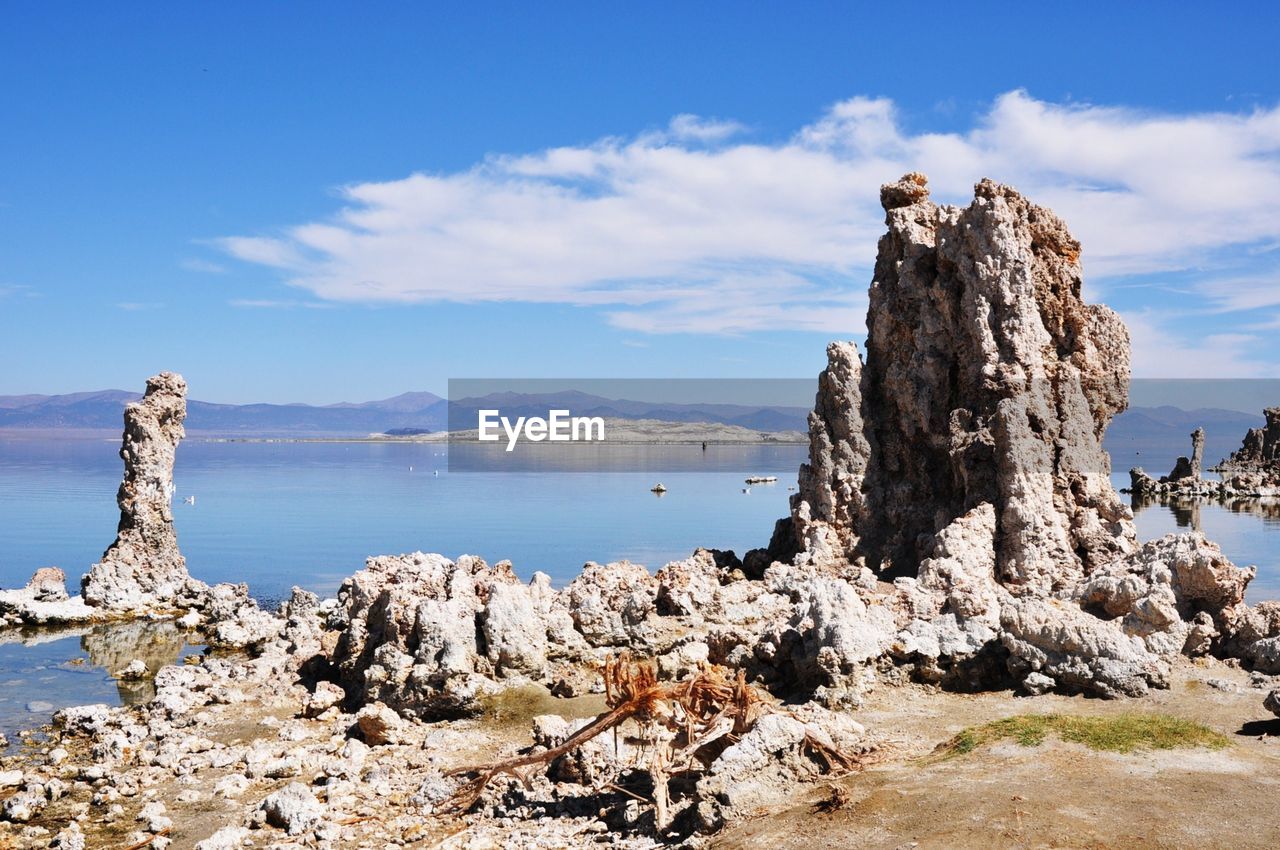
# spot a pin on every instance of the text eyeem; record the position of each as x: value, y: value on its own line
x: 558, y: 427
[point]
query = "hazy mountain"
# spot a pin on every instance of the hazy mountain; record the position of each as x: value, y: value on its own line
x: 103, y: 411
x: 1162, y: 433
x: 1152, y: 437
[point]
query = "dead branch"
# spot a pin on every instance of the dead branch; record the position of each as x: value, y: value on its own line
x: 683, y: 718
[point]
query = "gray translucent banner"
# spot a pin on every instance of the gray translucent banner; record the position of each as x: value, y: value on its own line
x: 759, y: 426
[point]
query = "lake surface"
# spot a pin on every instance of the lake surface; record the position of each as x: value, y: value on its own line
x: 45, y: 670
x: 276, y: 515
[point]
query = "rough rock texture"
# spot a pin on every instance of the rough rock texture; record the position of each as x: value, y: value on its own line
x: 143, y: 568
x: 1251, y: 472
x: 608, y: 601
x: 1161, y: 592
x: 293, y: 808
x: 951, y: 610
x: 1261, y: 447
x: 418, y: 633
x: 964, y: 461
x: 44, y: 601
x: 987, y: 380
x: 1058, y: 640
x: 829, y: 504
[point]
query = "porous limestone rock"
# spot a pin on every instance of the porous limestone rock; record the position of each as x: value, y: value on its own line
x: 1078, y: 650
x: 226, y: 838
x: 829, y: 503
x: 1261, y: 446
x: 987, y: 379
x: 232, y: 617
x: 830, y: 639
x: 756, y: 770
x: 1251, y: 472
x: 515, y: 636
x: 1160, y: 591
x: 607, y: 601
x: 44, y: 601
x: 379, y: 725
x: 144, y: 569
x: 48, y: 584
x: 688, y: 588
x: 963, y: 460
x: 950, y: 612
x: 412, y: 633
x: 325, y: 696
x: 293, y: 808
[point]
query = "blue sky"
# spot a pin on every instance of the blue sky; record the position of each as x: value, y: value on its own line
x: 322, y: 202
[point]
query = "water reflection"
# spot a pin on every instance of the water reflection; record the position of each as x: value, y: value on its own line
x: 1187, y: 513
x: 1246, y: 529
x: 44, y: 670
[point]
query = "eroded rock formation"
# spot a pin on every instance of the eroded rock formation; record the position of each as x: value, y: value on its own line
x: 964, y: 460
x: 1252, y: 471
x: 987, y: 380
x: 144, y: 569
x: 1261, y: 445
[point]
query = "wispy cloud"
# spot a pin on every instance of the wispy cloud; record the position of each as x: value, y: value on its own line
x: 138, y: 306
x: 1165, y: 347
x: 697, y: 228
x: 277, y: 304
x: 195, y: 264
x: 16, y: 290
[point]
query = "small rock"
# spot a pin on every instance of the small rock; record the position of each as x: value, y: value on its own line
x: 136, y: 669
x: 1037, y: 684
x: 326, y: 696
x: 231, y: 786
x: 39, y: 706
x: 23, y: 806
x: 293, y: 808
x: 1272, y: 703
x: 153, y: 814
x: 379, y: 724
x: 70, y: 838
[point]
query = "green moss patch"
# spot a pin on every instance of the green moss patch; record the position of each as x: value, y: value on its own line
x: 1121, y: 733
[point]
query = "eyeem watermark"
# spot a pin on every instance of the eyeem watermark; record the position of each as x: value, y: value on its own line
x: 558, y: 427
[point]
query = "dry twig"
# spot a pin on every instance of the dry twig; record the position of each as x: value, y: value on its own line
x: 694, y: 714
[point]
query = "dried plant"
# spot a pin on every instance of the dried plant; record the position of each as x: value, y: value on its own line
x: 683, y: 720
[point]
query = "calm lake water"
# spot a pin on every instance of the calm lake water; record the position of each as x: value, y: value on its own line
x: 277, y: 515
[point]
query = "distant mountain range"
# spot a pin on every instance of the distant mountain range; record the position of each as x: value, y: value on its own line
x: 402, y: 414
x: 1152, y: 437
x: 1166, y: 427
x: 98, y: 411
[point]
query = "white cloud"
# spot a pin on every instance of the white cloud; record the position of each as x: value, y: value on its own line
x: 14, y: 290
x: 686, y: 128
x: 694, y: 229
x: 1235, y: 294
x: 195, y: 264
x: 1161, y: 349
x: 276, y: 304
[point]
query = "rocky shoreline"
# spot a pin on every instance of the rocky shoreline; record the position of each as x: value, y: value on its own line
x: 954, y: 531
x: 1251, y: 472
